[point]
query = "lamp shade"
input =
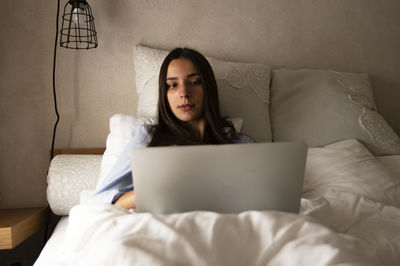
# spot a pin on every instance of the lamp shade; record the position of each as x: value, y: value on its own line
x: 77, y: 29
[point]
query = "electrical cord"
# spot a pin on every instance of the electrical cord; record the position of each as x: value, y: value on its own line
x: 54, y: 83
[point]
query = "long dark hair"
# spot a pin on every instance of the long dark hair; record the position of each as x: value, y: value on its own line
x: 172, y: 131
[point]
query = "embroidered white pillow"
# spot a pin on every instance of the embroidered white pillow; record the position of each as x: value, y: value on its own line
x: 69, y: 175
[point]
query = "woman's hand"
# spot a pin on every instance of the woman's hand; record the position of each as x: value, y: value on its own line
x: 127, y: 200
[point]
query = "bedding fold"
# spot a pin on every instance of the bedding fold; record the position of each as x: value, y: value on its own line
x: 101, y: 234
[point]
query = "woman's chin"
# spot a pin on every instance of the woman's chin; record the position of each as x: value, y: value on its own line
x: 187, y: 117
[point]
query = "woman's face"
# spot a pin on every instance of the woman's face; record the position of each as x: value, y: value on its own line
x: 185, y: 92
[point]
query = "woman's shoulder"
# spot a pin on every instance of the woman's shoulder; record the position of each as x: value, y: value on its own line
x: 240, y: 138
x: 142, y: 134
x: 144, y: 128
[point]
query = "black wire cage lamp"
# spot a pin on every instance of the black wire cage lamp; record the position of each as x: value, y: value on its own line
x: 77, y: 28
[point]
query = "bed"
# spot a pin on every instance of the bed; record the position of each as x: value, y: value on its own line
x: 350, y: 208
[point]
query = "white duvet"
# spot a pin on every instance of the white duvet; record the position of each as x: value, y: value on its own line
x: 350, y: 215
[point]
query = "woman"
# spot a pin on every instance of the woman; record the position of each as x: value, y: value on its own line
x: 188, y: 114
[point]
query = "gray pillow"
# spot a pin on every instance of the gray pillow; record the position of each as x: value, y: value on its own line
x: 322, y: 107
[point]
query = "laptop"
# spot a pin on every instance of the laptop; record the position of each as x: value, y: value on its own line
x: 229, y: 178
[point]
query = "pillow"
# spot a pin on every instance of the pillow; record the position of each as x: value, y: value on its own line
x: 392, y: 162
x: 121, y: 128
x: 69, y: 175
x: 243, y: 90
x: 348, y: 166
x: 322, y: 107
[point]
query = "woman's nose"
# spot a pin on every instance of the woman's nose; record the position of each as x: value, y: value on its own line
x: 184, y: 91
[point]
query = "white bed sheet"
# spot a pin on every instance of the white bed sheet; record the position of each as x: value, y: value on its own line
x: 54, y: 243
x: 345, y: 219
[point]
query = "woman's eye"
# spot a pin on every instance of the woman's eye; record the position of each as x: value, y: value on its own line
x: 171, y: 86
x: 196, y: 82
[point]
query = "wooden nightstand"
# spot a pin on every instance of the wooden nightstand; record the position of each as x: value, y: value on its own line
x: 16, y: 225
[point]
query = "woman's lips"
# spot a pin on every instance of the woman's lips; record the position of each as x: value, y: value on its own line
x: 186, y: 107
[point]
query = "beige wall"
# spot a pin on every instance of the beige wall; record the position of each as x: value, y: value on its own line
x: 344, y: 35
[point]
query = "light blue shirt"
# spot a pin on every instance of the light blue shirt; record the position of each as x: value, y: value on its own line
x: 119, y: 180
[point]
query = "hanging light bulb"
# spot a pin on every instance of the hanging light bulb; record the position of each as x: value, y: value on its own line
x: 78, y: 30
x: 78, y: 17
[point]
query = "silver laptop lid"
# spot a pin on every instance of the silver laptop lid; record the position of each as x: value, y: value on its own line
x: 228, y: 178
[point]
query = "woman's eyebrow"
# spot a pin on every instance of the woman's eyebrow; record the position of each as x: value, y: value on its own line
x: 193, y: 74
x: 189, y: 76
